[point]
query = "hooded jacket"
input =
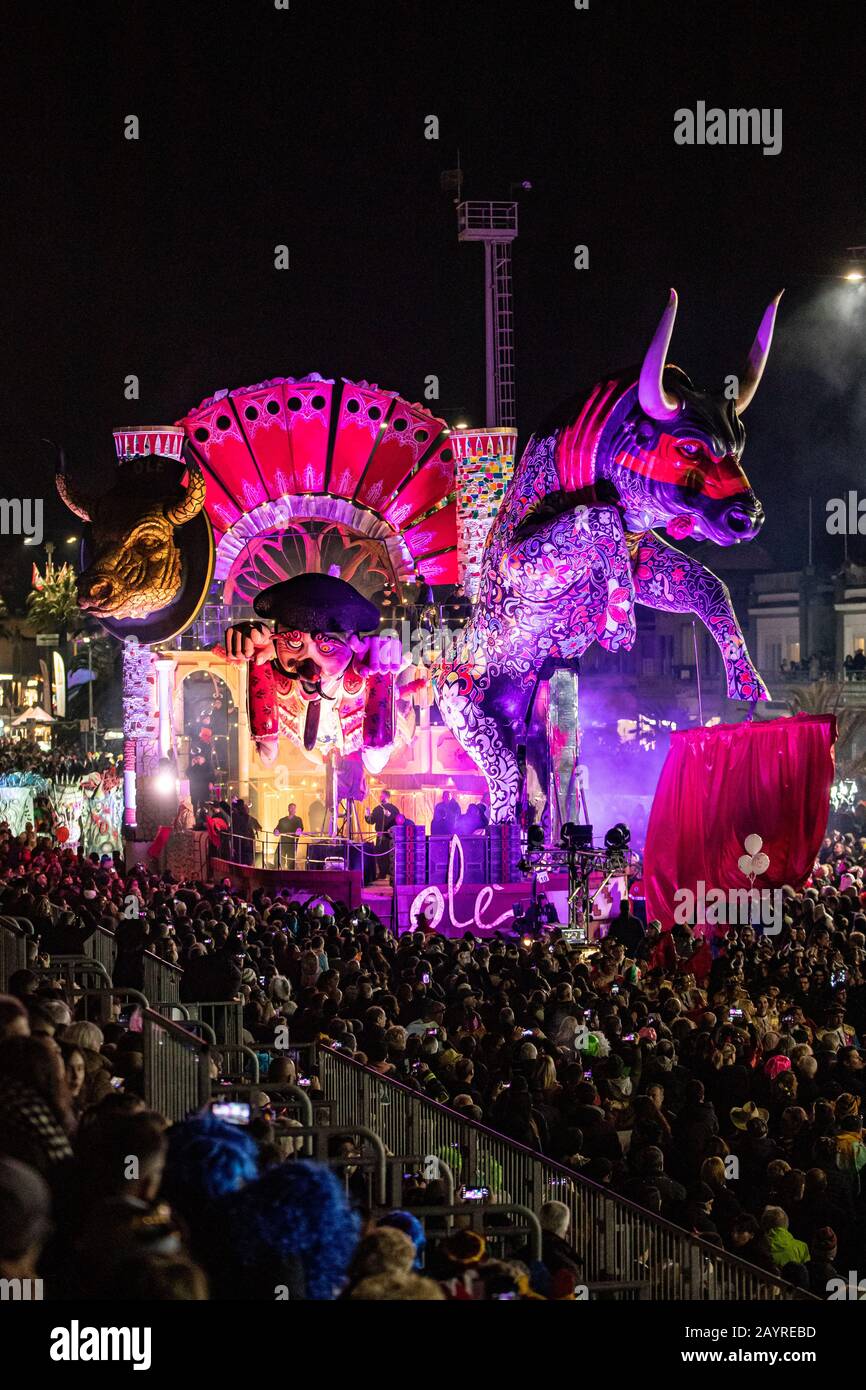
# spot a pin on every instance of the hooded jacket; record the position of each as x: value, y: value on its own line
x: 785, y: 1249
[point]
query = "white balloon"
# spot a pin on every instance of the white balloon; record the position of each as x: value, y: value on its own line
x: 745, y: 864
x: 753, y: 843
x: 760, y: 864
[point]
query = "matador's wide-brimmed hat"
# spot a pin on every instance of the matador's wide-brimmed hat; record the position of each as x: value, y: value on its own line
x: 317, y: 603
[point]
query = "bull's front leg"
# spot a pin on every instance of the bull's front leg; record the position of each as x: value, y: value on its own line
x: 460, y: 695
x: 667, y: 579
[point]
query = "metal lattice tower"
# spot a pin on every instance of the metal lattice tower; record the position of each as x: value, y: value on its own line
x: 496, y: 225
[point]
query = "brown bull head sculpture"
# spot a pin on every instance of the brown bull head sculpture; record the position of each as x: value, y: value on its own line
x: 135, y: 566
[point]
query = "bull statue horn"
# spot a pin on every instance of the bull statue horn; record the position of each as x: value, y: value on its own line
x: 751, y: 377
x: 76, y: 501
x: 189, y: 506
x: 654, y: 399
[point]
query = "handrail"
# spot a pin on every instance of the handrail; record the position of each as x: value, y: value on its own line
x: 592, y: 1217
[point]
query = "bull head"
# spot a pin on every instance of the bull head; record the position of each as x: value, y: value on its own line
x: 136, y: 567
x: 673, y: 451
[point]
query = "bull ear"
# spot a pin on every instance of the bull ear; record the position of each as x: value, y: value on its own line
x: 192, y: 501
x: 751, y: 377
x: 77, y: 502
x: 654, y: 399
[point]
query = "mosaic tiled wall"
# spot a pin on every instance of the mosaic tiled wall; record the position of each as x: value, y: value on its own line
x: 484, y: 462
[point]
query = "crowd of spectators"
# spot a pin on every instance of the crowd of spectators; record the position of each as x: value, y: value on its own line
x: 20, y: 756
x: 717, y: 1084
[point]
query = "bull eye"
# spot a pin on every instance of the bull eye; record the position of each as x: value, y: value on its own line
x: 689, y: 448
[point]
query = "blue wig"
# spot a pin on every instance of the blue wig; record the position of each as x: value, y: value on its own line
x: 296, y: 1209
x: 412, y: 1227
x: 207, y: 1158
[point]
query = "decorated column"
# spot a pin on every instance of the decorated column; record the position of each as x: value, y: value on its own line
x: 483, y: 462
x: 140, y: 723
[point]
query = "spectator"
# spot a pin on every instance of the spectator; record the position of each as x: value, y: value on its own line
x: 783, y: 1246
x: 36, y: 1117
x: 25, y: 1220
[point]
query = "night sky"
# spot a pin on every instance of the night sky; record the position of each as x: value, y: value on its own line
x: 306, y: 127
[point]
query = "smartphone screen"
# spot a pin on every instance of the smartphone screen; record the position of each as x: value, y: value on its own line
x: 234, y: 1112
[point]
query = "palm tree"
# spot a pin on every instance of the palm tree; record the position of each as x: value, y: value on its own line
x: 828, y: 697
x: 52, y: 604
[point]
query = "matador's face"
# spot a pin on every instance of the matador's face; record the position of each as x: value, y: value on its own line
x: 313, y: 658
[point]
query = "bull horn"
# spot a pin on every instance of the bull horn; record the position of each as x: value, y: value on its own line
x: 751, y: 377
x: 192, y: 501
x: 654, y: 399
x: 77, y: 502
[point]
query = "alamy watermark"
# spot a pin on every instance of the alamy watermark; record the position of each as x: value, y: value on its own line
x: 424, y: 645
x: 846, y: 516
x: 736, y: 126
x: 22, y: 516
x: 21, y: 1290
x: 734, y: 907
x: 77, y: 1343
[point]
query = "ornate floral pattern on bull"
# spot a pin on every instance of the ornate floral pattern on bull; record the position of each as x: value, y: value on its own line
x: 573, y: 548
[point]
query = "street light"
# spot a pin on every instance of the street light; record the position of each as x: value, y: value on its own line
x: 90, y: 728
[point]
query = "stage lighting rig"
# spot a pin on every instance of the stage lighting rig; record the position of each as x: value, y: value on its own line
x: 616, y: 843
x: 577, y: 857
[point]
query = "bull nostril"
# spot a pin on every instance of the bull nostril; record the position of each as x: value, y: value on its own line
x: 98, y: 592
x: 739, y: 521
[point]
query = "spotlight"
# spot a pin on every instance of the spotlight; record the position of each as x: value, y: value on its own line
x: 535, y: 837
x: 617, y: 837
x: 616, y: 843
x: 576, y: 836
x: 165, y: 781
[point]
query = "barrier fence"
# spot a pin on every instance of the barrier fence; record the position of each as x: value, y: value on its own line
x: 161, y: 979
x: 176, y: 1067
x: 617, y: 1239
x: 407, y: 851
x: 13, y: 949
x: 224, y: 1019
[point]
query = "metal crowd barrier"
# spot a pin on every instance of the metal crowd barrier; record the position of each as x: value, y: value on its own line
x: 176, y: 1067
x: 74, y: 971
x: 224, y: 1019
x: 617, y: 1239
x: 106, y: 995
x: 103, y: 948
x: 13, y: 949
x: 161, y: 978
x: 238, y: 1063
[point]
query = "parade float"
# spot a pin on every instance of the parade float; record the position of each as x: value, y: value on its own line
x: 298, y: 570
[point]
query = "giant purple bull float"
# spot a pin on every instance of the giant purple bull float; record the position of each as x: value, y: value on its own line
x: 574, y: 545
